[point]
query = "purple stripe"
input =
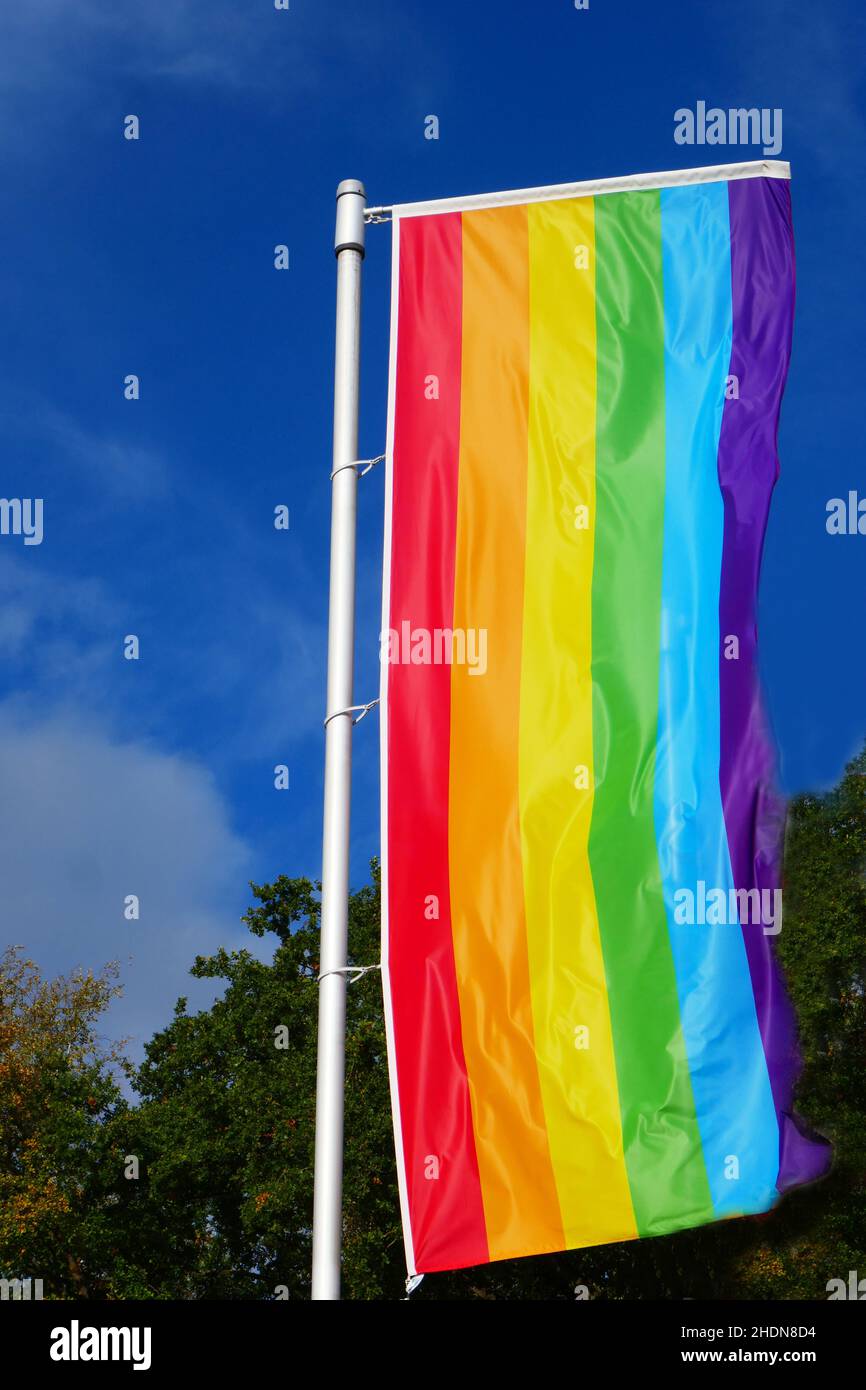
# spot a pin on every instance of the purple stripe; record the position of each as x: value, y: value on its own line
x: 762, y: 269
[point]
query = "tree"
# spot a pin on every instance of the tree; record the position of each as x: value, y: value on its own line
x: 820, y: 1233
x: 57, y: 1092
x: 226, y: 1121
x: 223, y: 1131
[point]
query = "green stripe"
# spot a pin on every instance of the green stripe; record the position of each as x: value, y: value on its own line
x: 663, y: 1152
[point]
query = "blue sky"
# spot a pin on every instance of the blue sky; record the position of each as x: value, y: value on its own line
x: 155, y: 257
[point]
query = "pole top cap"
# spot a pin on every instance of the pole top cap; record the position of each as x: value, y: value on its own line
x: 351, y: 186
x: 350, y: 217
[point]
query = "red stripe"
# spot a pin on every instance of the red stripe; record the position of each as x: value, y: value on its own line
x: 446, y: 1212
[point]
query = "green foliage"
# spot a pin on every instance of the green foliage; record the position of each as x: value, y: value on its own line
x: 224, y: 1126
x: 58, y: 1101
x: 227, y: 1118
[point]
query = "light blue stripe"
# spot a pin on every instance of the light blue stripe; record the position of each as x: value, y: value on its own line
x: 733, y: 1100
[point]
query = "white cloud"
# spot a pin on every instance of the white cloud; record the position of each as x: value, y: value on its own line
x: 86, y: 821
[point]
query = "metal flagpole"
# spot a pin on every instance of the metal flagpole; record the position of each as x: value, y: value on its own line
x: 331, y: 1061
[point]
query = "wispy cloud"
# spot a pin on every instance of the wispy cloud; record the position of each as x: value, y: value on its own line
x: 53, y: 48
x: 205, y: 40
x: 53, y: 633
x: 807, y: 40
x: 109, y: 461
x: 250, y: 665
x: 105, y: 462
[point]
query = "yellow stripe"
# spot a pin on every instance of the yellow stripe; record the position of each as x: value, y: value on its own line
x: 519, y: 1193
x: 569, y: 993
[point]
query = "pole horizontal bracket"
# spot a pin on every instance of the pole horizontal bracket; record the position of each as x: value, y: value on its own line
x: 351, y: 709
x: 363, y: 464
x: 354, y: 972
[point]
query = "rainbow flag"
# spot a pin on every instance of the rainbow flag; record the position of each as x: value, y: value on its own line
x: 589, y: 1038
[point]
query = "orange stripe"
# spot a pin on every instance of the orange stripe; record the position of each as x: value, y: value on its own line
x: 521, y: 1207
